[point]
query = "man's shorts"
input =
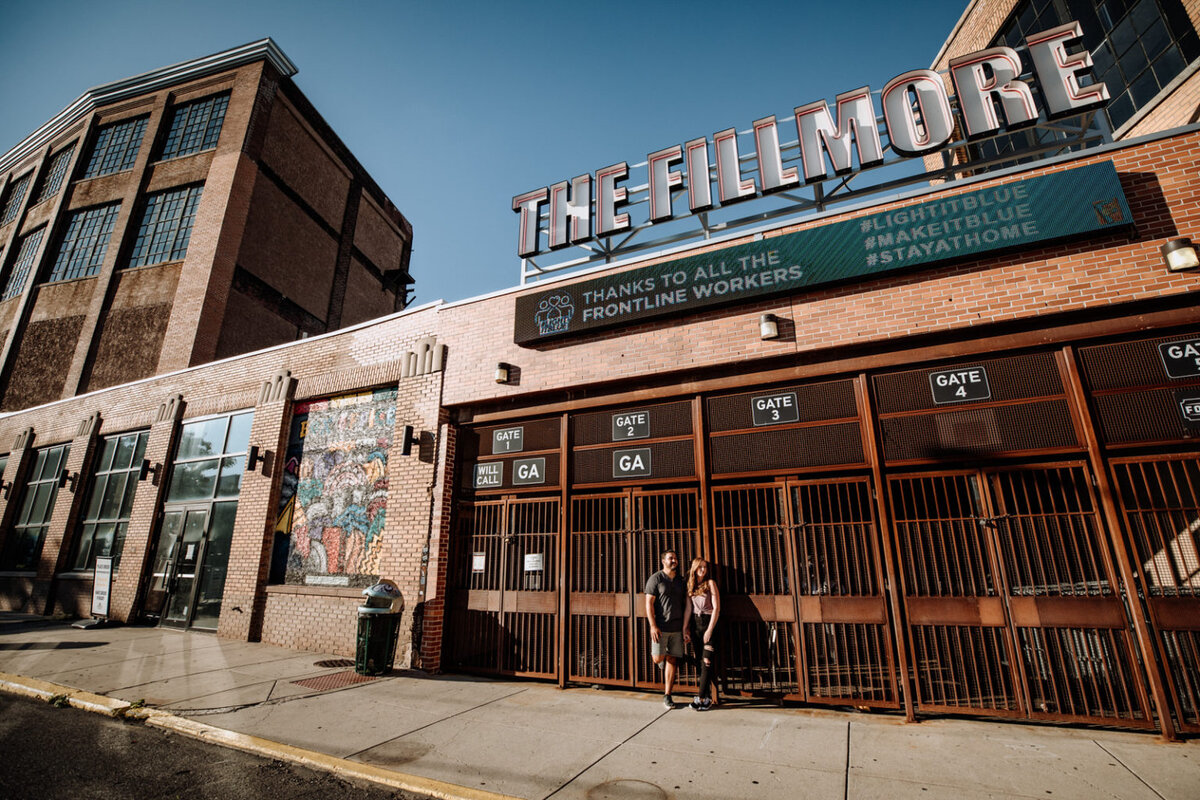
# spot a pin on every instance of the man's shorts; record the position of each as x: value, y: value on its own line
x: 671, y: 643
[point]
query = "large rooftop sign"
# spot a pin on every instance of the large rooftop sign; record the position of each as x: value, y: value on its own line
x: 998, y: 217
x: 992, y: 98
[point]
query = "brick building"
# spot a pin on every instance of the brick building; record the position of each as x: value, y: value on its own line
x: 957, y: 479
x: 192, y: 213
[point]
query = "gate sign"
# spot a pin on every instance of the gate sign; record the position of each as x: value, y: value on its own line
x: 1181, y: 359
x: 960, y: 385
x: 631, y: 425
x: 529, y: 471
x: 1189, y: 406
x: 775, y: 409
x: 631, y: 463
x: 489, y: 475
x: 102, y: 586
x: 508, y: 440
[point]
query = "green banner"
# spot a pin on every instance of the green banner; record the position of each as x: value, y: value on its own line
x: 1012, y: 215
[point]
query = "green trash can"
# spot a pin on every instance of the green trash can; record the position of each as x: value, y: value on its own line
x: 378, y: 629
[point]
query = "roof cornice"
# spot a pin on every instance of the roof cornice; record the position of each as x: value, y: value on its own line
x: 108, y: 93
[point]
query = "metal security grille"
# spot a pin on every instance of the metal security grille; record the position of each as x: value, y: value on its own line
x: 1011, y: 599
x: 503, y: 598
x: 615, y: 546
x: 963, y: 659
x: 847, y: 654
x: 752, y: 563
x: 1070, y: 622
x: 1160, y: 498
x: 667, y: 520
x: 601, y: 595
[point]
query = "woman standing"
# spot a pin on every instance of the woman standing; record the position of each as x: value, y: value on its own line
x: 700, y: 625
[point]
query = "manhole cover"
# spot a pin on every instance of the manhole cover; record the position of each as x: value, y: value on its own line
x: 331, y: 663
x: 626, y: 790
x: 335, y: 680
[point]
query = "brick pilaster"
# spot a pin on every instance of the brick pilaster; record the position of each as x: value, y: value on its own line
x: 133, y: 573
x: 59, y: 544
x: 245, y: 598
x: 432, y: 603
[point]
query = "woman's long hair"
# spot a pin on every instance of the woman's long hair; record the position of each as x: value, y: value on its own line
x: 696, y: 586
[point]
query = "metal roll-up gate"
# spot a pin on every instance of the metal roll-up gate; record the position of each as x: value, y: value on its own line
x: 1011, y: 596
x: 502, y: 613
x: 1160, y: 497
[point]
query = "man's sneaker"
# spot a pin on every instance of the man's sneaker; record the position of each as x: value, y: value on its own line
x: 668, y: 702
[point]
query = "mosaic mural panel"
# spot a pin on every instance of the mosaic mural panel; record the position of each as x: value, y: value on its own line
x: 334, y: 499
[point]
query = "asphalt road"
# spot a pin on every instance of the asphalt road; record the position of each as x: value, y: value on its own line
x: 48, y: 753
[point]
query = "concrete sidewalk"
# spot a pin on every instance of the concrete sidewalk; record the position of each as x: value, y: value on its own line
x: 453, y: 736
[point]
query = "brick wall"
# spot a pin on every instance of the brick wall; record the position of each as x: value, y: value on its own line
x: 1160, y: 179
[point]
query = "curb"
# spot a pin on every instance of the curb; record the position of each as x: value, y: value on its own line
x: 86, y: 701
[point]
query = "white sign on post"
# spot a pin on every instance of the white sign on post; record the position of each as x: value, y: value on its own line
x: 102, y: 586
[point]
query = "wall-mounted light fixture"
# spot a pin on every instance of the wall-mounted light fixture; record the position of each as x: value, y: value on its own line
x: 768, y: 327
x: 149, y: 469
x: 255, y: 457
x: 503, y: 371
x: 410, y: 438
x: 1180, y: 254
x: 5, y: 488
x: 68, y: 477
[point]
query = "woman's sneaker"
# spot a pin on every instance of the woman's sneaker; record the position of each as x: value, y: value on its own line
x: 705, y: 704
x: 697, y: 704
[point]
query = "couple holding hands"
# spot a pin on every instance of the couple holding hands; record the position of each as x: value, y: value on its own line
x: 680, y: 612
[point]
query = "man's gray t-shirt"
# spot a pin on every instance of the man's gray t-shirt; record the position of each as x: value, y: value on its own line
x: 669, y: 595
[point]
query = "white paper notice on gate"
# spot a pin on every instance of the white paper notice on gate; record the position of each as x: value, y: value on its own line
x: 533, y: 562
x: 478, y: 562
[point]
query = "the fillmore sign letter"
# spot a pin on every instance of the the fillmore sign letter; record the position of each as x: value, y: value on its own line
x: 916, y: 113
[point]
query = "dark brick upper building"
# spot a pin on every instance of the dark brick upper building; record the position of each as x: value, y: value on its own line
x: 191, y: 213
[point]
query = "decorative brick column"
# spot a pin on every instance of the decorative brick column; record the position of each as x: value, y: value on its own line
x: 431, y: 603
x: 59, y: 544
x: 128, y: 581
x: 16, y: 596
x: 245, y: 599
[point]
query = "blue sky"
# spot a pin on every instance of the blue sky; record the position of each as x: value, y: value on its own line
x: 454, y: 108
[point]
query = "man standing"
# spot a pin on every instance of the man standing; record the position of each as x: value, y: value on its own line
x: 665, y: 598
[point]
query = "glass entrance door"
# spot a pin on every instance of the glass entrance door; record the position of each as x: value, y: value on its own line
x: 180, y: 601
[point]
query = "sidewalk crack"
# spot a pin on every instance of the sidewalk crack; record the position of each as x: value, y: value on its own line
x: 606, y: 754
x: 1116, y: 758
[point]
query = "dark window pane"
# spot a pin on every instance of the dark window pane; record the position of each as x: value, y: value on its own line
x: 98, y: 490
x: 39, y: 507
x: 1156, y: 39
x: 106, y: 455
x: 1168, y: 66
x: 130, y: 490
x: 194, y: 481
x: 1144, y: 14
x: 115, y: 493
x: 116, y: 147
x: 1133, y: 62
x: 83, y: 556
x: 54, y: 460
x: 1120, y: 109
x: 231, y: 476
x: 118, y: 543
x: 139, y: 452
x: 1144, y: 89
x: 1123, y: 37
x: 1102, y: 59
x: 239, y: 433
x: 124, y: 452
x: 202, y: 438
